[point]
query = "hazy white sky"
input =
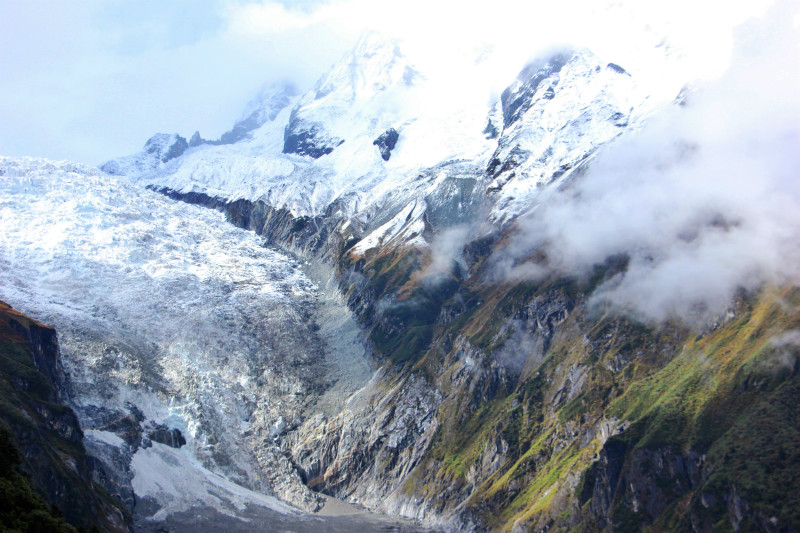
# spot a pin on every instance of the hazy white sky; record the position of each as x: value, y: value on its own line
x: 91, y: 80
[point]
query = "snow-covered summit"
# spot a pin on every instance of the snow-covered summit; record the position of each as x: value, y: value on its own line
x: 325, y: 145
x: 159, y: 149
x: 372, y: 67
x: 260, y: 110
x: 553, y: 117
x: 357, y: 97
x: 271, y: 99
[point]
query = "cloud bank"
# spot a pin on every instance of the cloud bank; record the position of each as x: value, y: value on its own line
x: 704, y: 200
x: 92, y: 80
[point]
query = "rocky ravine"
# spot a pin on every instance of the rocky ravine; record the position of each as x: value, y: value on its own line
x: 516, y: 406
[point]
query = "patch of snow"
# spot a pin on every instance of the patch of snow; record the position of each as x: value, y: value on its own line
x: 105, y: 437
x: 407, y: 222
x: 179, y: 483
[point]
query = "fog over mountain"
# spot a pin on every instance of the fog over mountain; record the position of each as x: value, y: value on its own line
x: 87, y: 81
x: 704, y: 199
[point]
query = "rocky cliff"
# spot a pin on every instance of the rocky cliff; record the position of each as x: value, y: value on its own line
x: 520, y: 406
x: 43, y: 437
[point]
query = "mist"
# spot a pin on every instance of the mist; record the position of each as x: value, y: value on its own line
x: 704, y: 200
x: 93, y: 80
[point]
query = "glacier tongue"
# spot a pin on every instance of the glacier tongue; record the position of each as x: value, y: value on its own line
x: 170, y: 317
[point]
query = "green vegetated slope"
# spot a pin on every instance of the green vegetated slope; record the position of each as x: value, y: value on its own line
x: 564, y: 416
x: 45, y: 475
x: 22, y: 509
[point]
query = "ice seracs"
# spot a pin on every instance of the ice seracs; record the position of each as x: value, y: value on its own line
x: 183, y: 336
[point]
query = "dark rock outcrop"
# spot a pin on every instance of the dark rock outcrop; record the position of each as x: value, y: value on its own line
x: 196, y: 140
x: 47, y: 433
x: 166, y: 147
x: 171, y: 437
x: 618, y: 69
x: 491, y: 130
x: 302, y: 137
x: 386, y: 142
x: 310, y: 236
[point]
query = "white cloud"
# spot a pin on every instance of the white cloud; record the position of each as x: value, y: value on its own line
x: 92, y: 80
x: 704, y: 200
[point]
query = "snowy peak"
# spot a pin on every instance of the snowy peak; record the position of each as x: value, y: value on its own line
x: 374, y: 65
x: 165, y: 146
x: 519, y: 96
x: 268, y: 103
x: 551, y: 119
x: 158, y: 150
x: 262, y: 109
x: 265, y: 107
x: 356, y: 86
x: 376, y: 131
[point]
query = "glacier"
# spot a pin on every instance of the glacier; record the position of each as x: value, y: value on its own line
x: 168, y: 316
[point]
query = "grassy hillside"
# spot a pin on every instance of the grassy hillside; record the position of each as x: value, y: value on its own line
x: 562, y: 416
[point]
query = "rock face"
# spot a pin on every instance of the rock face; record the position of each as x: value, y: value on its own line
x: 166, y: 147
x: 487, y: 388
x: 164, y: 435
x: 484, y: 392
x: 303, y: 137
x: 45, y: 431
x: 196, y: 140
x: 386, y: 142
x: 379, y: 443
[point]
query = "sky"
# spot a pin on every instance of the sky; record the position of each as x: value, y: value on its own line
x: 92, y: 80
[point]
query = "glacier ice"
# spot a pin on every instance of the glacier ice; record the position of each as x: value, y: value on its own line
x: 168, y: 315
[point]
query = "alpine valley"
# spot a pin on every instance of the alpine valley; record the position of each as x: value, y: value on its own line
x: 386, y: 304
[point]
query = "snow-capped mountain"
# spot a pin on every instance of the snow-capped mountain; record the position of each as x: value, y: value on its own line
x: 386, y: 156
x: 379, y: 352
x: 324, y: 146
